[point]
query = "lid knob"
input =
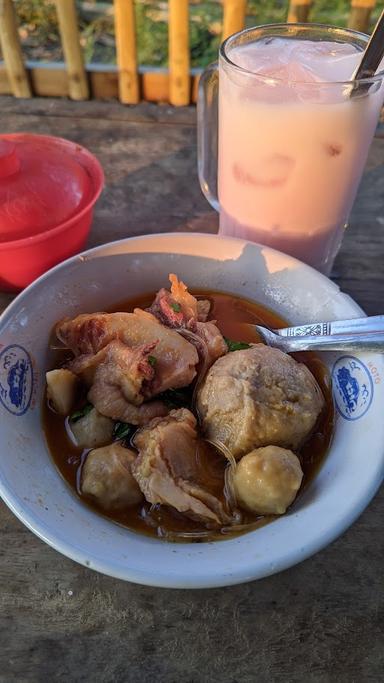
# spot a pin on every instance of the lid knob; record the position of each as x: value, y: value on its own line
x: 9, y: 161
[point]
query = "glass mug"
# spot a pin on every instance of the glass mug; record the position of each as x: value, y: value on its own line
x: 282, y: 161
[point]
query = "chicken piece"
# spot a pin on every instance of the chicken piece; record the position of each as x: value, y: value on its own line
x: 85, y: 365
x: 110, y: 401
x: 172, y: 311
x: 175, y: 357
x: 106, y: 477
x: 267, y: 480
x: 92, y: 430
x: 166, y: 469
x: 176, y: 308
x: 186, y: 301
x: 181, y: 310
x: 61, y: 389
x: 120, y: 379
x: 115, y: 391
x: 203, y: 310
x: 208, y: 340
x: 129, y: 369
x: 214, y: 340
x: 258, y: 397
x: 198, y: 309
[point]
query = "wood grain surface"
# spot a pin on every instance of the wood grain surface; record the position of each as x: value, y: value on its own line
x: 321, y: 621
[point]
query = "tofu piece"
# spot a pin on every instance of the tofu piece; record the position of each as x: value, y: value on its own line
x: 62, y: 386
x: 92, y: 430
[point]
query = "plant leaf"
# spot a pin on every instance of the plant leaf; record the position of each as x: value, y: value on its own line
x: 176, y: 398
x: 123, y: 430
x: 78, y: 414
x: 236, y: 345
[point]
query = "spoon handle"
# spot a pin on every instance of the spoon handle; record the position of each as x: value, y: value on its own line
x: 357, y: 326
x: 358, y: 334
x: 373, y: 53
x: 369, y: 341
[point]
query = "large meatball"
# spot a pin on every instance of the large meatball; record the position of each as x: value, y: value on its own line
x: 266, y: 480
x: 257, y: 397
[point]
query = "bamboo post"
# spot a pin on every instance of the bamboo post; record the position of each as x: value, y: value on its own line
x: 360, y: 14
x: 178, y: 45
x: 234, y: 16
x: 69, y: 33
x: 11, y: 49
x: 125, y: 30
x: 299, y: 11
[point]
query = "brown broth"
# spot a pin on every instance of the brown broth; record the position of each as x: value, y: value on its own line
x: 161, y: 521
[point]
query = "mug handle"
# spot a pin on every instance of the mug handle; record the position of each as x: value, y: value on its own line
x: 207, y: 133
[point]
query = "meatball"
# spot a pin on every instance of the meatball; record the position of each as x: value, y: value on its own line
x: 92, y: 430
x: 266, y: 480
x: 107, y: 478
x: 257, y: 397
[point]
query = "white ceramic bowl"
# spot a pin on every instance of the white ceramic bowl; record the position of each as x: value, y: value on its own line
x: 31, y: 486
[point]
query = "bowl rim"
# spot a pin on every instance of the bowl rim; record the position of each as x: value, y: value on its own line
x: 158, y: 576
x: 95, y: 171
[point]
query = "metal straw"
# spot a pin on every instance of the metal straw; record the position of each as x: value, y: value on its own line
x: 373, y: 53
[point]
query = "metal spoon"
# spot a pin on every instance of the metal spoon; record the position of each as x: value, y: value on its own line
x: 373, y: 53
x: 360, y: 334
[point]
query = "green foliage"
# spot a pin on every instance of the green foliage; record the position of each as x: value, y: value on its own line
x: 176, y: 398
x: 123, y: 431
x: 40, y: 36
x: 40, y: 14
x: 78, y: 414
x: 205, y: 32
x: 152, y: 36
x: 266, y: 12
x: 236, y: 345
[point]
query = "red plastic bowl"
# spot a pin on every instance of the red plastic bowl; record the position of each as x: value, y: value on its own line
x: 23, y: 259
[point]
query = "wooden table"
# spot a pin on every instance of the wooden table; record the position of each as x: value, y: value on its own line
x: 319, y: 621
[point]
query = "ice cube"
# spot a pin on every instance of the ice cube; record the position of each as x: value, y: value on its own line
x: 298, y: 60
x: 261, y: 54
x: 330, y: 60
x: 293, y: 72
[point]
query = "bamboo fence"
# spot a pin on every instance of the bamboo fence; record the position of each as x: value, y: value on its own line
x: 127, y: 80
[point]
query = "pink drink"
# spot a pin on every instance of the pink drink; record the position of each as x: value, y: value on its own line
x: 292, y: 144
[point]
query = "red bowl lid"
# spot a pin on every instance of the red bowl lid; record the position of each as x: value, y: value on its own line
x: 44, y: 181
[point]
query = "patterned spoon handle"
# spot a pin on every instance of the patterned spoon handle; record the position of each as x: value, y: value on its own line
x: 357, y: 326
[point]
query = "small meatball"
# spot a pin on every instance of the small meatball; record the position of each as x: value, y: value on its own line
x: 92, y: 430
x: 107, y: 478
x: 61, y: 389
x: 267, y: 480
x: 257, y: 397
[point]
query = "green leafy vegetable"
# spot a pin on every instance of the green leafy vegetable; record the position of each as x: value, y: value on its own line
x: 123, y: 430
x: 78, y: 414
x: 152, y: 360
x: 236, y: 345
x: 175, y: 306
x: 176, y: 398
